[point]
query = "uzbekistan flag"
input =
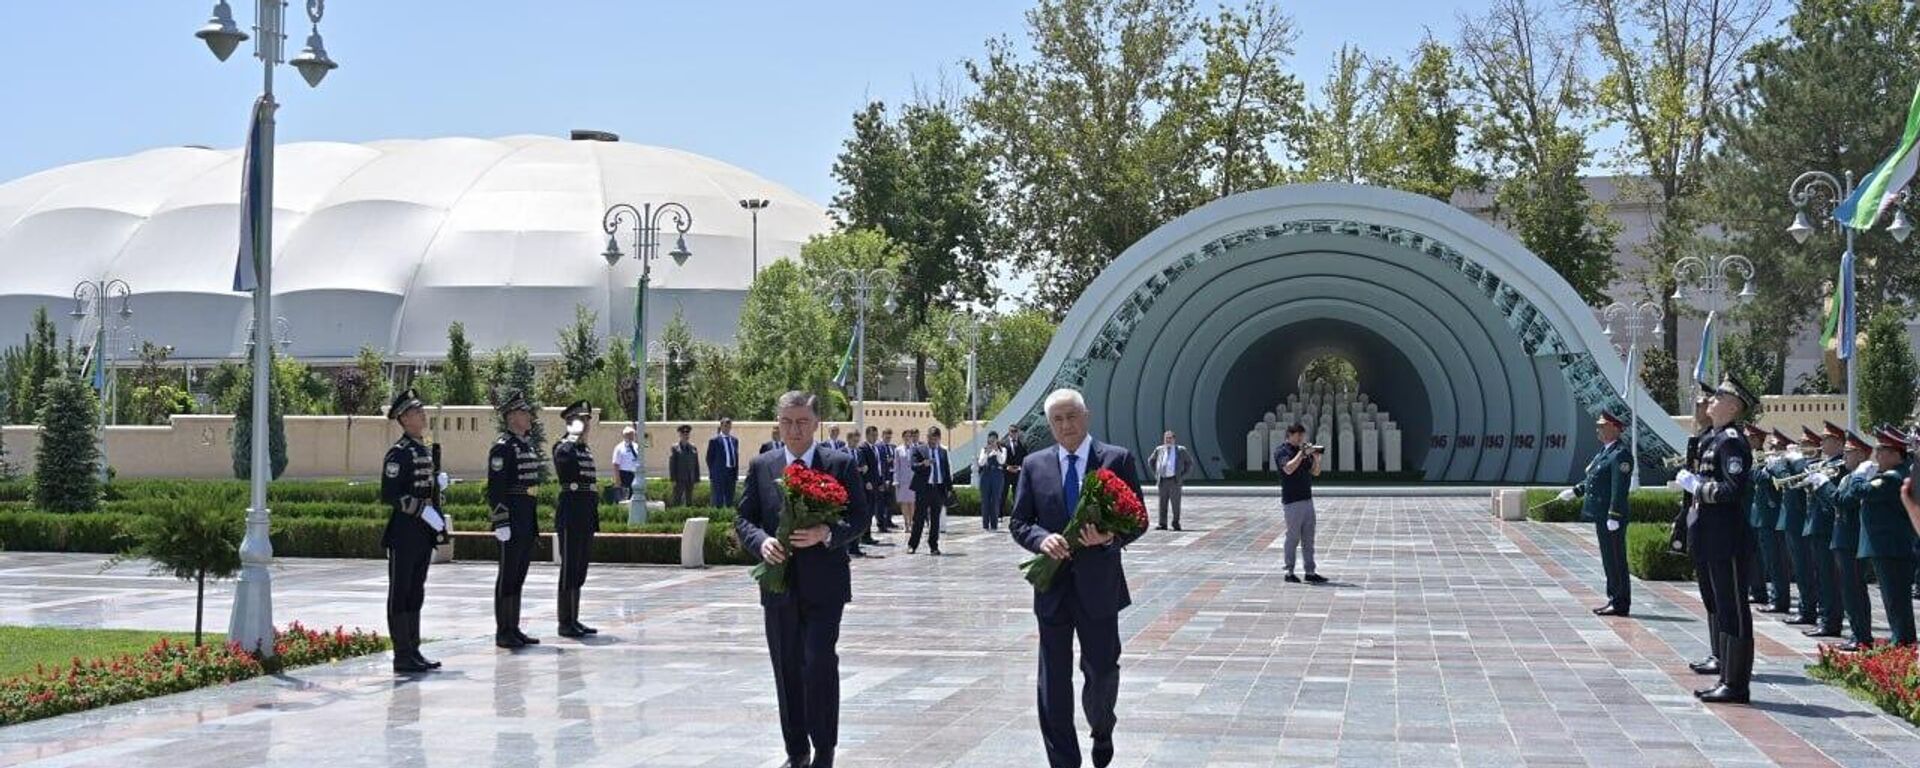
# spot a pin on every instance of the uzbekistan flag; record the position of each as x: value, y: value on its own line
x: 1877, y: 191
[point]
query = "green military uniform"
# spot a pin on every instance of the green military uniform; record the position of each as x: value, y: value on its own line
x: 1844, y: 496
x: 513, y: 471
x: 1818, y: 532
x: 1887, y: 537
x: 575, y: 518
x: 1603, y: 494
x: 1792, y: 527
x: 1765, y: 521
x: 408, y: 488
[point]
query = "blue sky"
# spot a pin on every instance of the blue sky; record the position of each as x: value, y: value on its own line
x: 767, y: 86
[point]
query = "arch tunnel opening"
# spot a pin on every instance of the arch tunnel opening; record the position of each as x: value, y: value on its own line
x: 1273, y: 368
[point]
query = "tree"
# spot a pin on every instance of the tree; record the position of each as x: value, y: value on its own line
x: 618, y: 364
x: 66, y: 476
x: 716, y: 384
x: 7, y: 470
x: 1820, y: 95
x: 1746, y: 355
x: 277, y: 395
x: 677, y: 338
x: 155, y: 392
x: 1341, y: 136
x: 791, y: 337
x: 948, y: 384
x: 1888, y: 374
x: 580, y: 346
x: 1333, y: 372
x: 1661, y: 377
x: 463, y: 388
x: 1010, y: 349
x: 1423, y: 122
x: 191, y: 542
x: 1525, y: 77
x: 40, y: 365
x: 372, y: 364
x: 1249, y: 101
x: 352, y: 393
x: 1089, y: 136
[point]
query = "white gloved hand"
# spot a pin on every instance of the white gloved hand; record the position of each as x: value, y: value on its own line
x: 1688, y: 481
x: 1818, y: 479
x: 1866, y: 469
x: 576, y: 427
x: 503, y: 533
x: 433, y: 518
x: 1612, y: 524
x: 443, y: 480
x: 1565, y: 495
x: 1777, y: 463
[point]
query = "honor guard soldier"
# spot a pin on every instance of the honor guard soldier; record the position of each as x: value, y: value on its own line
x: 1773, y: 543
x: 1719, y: 477
x: 410, y: 486
x: 1792, y: 527
x: 1758, y: 516
x: 1819, y: 528
x: 1604, y: 503
x: 577, y: 516
x: 1886, y: 533
x: 513, y: 469
x: 1843, y: 496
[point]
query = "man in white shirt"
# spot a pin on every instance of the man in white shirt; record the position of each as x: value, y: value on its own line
x: 1171, y: 463
x: 626, y: 462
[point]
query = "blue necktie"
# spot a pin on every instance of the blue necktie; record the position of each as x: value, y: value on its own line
x: 1072, y: 490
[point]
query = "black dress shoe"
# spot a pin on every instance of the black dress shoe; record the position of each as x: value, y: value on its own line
x: 912, y: 550
x: 408, y: 665
x: 1853, y: 646
x: 1804, y: 620
x: 1292, y: 579
x: 1314, y: 578
x: 1176, y: 526
x: 1611, y: 611
x: 1159, y: 527
x: 1102, y: 752
x: 1711, y: 666
x: 934, y: 552
x: 508, y: 641
x: 1603, y: 610
x: 524, y: 639
x: 1821, y: 632
x: 429, y: 663
x: 1723, y: 694
x: 1774, y: 609
x: 568, y: 630
x: 584, y: 629
x: 798, y: 762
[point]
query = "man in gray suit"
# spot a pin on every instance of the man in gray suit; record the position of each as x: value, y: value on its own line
x: 1170, y: 465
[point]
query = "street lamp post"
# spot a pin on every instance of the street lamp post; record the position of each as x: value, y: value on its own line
x: 1705, y: 282
x: 1823, y: 192
x: 753, y: 205
x: 862, y: 285
x: 645, y: 223
x: 968, y: 329
x: 1638, y: 319
x: 90, y: 298
x: 668, y: 353
x: 251, y: 625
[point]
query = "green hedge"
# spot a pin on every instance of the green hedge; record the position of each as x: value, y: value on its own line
x: 1647, y: 505
x: 1650, y: 558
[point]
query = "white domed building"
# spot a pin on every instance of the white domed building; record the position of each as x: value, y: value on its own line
x: 386, y: 243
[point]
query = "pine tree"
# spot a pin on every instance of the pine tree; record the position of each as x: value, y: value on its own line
x: 509, y: 369
x: 1887, y: 371
x: 67, y: 464
x: 7, y: 472
x: 243, y: 426
x: 462, y: 387
x: 42, y: 364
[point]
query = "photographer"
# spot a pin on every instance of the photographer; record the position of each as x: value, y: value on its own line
x: 1299, y: 463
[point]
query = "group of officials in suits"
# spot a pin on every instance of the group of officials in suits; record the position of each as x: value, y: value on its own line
x: 803, y: 623
x: 1757, y: 510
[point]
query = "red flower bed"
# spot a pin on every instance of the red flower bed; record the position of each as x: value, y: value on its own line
x: 168, y: 667
x: 1887, y: 675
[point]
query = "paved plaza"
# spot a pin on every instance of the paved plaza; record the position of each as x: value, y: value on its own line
x: 1446, y: 638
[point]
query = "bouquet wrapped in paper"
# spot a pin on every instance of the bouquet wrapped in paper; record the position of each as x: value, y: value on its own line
x: 813, y: 498
x: 1106, y: 503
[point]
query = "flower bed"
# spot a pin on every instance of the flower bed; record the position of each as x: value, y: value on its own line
x: 1887, y: 675
x: 169, y: 667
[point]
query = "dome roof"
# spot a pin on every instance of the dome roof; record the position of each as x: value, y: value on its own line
x: 387, y: 242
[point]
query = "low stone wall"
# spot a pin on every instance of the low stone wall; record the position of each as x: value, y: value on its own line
x: 201, y: 446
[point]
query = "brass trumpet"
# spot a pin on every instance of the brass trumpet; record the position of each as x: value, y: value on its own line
x: 1802, y: 480
x: 1675, y: 461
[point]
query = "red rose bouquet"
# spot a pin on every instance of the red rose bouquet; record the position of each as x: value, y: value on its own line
x: 1107, y: 503
x: 813, y: 498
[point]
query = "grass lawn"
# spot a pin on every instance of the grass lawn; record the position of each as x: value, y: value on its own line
x: 21, y: 648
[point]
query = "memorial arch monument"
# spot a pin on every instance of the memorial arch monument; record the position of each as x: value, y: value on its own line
x: 1475, y: 361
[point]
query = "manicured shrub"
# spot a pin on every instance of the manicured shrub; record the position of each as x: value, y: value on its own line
x: 1647, y: 505
x: 1649, y: 556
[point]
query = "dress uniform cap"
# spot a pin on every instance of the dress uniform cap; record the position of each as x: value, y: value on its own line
x: 515, y: 400
x: 579, y: 410
x: 1733, y: 387
x: 1607, y: 417
x: 1833, y: 430
x: 1808, y: 437
x: 1891, y: 438
x: 1780, y: 438
x: 407, y: 400
x: 1857, y: 443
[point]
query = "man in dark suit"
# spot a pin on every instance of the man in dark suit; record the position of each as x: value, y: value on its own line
x: 883, y: 506
x: 723, y: 463
x: 866, y: 458
x: 932, y: 484
x: 772, y: 443
x: 1016, y: 453
x: 1091, y: 588
x: 803, y: 623
x: 683, y: 466
x: 834, y: 441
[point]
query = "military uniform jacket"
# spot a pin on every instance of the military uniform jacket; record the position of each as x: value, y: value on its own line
x: 683, y: 464
x: 1764, y: 514
x: 406, y: 486
x: 1819, y: 505
x: 1604, y: 491
x: 573, y: 468
x: 1843, y: 496
x: 1793, y: 501
x: 513, y: 469
x: 1885, y: 530
x: 1716, y: 525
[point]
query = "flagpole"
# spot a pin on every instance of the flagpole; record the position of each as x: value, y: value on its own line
x: 646, y: 221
